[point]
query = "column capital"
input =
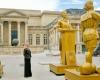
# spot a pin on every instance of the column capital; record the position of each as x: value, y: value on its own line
x: 18, y: 21
x: 1, y: 22
x: 26, y: 22
x: 9, y: 21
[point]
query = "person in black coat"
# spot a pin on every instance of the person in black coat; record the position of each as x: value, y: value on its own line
x: 27, y: 62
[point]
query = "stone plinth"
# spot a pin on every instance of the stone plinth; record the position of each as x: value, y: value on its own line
x: 59, y: 69
x: 72, y: 74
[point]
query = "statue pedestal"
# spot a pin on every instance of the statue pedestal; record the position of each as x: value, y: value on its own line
x: 72, y: 74
x: 59, y: 69
x: 68, y: 55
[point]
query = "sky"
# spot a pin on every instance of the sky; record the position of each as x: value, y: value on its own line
x: 46, y: 4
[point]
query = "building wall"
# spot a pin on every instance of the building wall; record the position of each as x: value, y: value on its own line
x: 34, y: 21
x: 5, y: 34
x: 47, y: 17
x: 37, y: 22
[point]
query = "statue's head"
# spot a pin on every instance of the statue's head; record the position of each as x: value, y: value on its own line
x: 64, y: 14
x: 89, y: 5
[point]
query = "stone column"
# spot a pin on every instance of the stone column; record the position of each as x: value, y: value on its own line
x: 26, y: 33
x: 57, y: 39
x: 9, y: 33
x: 2, y: 33
x: 42, y: 39
x: 78, y: 41
x: 34, y: 40
x: 18, y: 27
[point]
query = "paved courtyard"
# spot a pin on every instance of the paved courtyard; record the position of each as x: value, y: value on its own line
x: 14, y: 69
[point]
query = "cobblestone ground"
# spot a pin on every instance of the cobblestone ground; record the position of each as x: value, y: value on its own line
x: 14, y: 66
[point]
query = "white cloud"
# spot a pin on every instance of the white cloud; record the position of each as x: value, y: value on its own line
x: 76, y: 1
x: 72, y: 2
x: 98, y: 8
x: 30, y: 4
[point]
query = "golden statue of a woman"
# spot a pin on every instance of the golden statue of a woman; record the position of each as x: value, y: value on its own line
x: 67, y: 40
x: 89, y: 23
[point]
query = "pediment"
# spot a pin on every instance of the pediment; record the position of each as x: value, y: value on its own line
x: 14, y: 13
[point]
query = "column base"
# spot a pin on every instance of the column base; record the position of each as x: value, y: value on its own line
x: 59, y: 69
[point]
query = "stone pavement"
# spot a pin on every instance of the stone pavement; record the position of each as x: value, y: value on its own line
x: 14, y: 66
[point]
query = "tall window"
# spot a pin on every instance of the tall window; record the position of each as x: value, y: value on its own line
x: 30, y: 38
x: 37, y: 39
x: 45, y: 39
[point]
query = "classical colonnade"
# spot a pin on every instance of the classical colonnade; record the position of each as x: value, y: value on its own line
x: 10, y: 29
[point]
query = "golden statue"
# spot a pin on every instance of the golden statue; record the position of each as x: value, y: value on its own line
x: 67, y: 40
x: 89, y: 23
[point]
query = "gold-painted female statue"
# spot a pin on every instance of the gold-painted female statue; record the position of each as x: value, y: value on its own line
x: 89, y: 23
x: 67, y: 40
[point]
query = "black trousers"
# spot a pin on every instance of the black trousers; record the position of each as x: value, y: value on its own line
x: 27, y: 67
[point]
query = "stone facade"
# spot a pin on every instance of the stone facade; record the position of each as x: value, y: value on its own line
x: 28, y: 26
x: 32, y: 26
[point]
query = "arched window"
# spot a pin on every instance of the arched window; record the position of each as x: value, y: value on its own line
x: 37, y: 39
x: 45, y: 39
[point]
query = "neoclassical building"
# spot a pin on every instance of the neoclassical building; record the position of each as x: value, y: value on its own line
x: 32, y: 26
x: 28, y: 26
